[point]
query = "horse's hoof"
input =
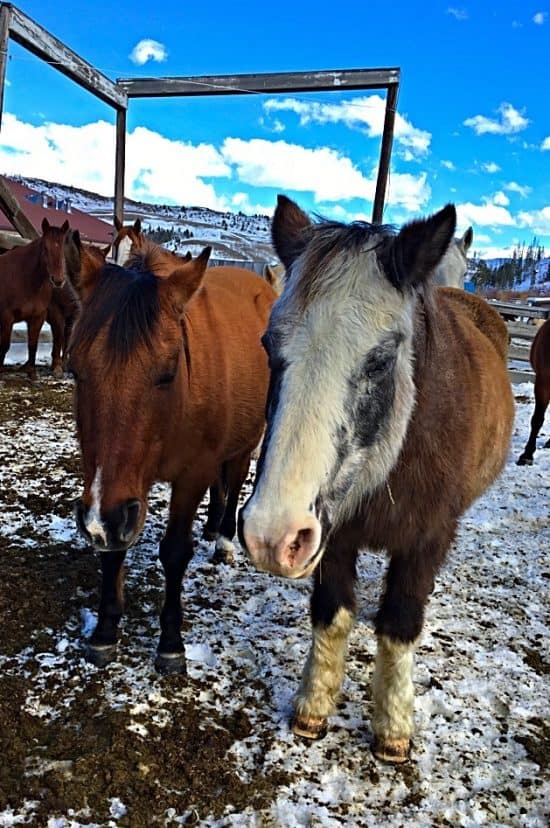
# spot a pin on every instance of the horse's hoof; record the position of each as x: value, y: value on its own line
x: 394, y: 751
x: 100, y: 654
x: 525, y: 461
x: 310, y: 727
x: 225, y: 551
x: 170, y: 664
x: 209, y: 534
x: 57, y: 372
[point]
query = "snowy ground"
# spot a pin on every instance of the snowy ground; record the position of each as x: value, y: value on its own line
x: 481, y: 673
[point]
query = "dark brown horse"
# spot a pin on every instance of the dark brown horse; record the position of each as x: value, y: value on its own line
x: 28, y: 277
x: 64, y: 306
x: 540, y: 360
x: 389, y: 411
x: 171, y: 382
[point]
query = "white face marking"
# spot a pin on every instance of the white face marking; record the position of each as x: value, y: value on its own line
x: 321, y: 348
x: 123, y: 251
x: 93, y: 523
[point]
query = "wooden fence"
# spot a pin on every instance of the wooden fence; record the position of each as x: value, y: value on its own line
x: 523, y: 321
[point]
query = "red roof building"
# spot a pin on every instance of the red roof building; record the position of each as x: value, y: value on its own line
x: 38, y: 204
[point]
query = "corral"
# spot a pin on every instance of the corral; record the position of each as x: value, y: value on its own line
x: 124, y: 746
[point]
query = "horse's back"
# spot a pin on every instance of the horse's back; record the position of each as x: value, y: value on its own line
x: 484, y: 317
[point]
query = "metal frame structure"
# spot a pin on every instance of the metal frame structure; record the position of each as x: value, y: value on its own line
x: 33, y: 37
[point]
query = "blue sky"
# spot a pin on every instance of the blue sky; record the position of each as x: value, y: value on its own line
x: 473, y: 122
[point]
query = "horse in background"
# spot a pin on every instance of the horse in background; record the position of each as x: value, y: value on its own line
x: 129, y: 237
x: 451, y: 270
x: 29, y: 276
x: 539, y: 357
x: 170, y: 384
x: 374, y: 439
x: 275, y: 276
x: 64, y: 306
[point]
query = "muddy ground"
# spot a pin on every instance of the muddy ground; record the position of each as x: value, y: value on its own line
x: 123, y: 746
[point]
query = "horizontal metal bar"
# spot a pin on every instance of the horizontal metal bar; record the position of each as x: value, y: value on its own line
x: 338, y: 79
x: 44, y: 45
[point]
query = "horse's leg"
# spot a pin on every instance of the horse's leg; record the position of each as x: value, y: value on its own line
x: 216, y: 506
x: 176, y: 550
x: 236, y: 471
x: 542, y: 398
x: 332, y: 615
x: 409, y: 581
x: 56, y: 322
x: 34, y: 325
x: 6, y: 324
x: 102, y: 646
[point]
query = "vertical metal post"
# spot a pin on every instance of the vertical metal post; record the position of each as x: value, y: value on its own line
x: 5, y: 12
x: 120, y: 160
x: 385, y: 154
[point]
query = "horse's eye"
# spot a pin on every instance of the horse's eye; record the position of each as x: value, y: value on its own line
x: 164, y: 379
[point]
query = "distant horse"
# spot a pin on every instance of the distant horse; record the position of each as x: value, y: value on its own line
x: 540, y: 360
x: 28, y: 277
x: 171, y: 383
x: 65, y: 305
x: 451, y: 270
x: 389, y: 411
x: 128, y: 237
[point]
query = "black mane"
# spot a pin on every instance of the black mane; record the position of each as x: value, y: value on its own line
x: 130, y: 301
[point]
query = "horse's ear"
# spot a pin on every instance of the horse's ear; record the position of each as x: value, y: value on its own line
x: 118, y: 224
x: 188, y: 256
x: 288, y: 230
x: 185, y: 280
x: 467, y: 239
x: 412, y: 255
x: 137, y: 226
x: 65, y: 225
x: 45, y: 224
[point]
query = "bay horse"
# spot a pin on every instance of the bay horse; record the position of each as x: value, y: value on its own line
x: 64, y: 306
x: 539, y: 357
x: 171, y: 382
x: 389, y: 411
x: 28, y: 277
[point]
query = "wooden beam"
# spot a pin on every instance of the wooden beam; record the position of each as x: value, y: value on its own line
x: 520, y: 376
x: 271, y: 82
x: 385, y: 155
x: 12, y: 210
x: 44, y: 45
x: 5, y: 13
x: 120, y: 160
x: 9, y: 240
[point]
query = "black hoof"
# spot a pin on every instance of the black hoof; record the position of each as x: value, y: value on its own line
x: 170, y: 664
x: 525, y: 461
x: 100, y: 655
x: 209, y: 534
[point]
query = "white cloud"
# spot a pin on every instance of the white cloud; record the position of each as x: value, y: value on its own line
x: 500, y: 198
x: 458, y: 14
x: 322, y: 171
x: 490, y: 167
x: 147, y: 50
x: 540, y: 18
x: 483, y: 215
x: 536, y: 220
x: 514, y: 187
x: 448, y: 165
x: 511, y: 120
x: 546, y: 144
x: 365, y: 113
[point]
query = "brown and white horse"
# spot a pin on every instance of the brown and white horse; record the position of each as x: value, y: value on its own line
x: 29, y: 275
x: 451, y: 270
x: 389, y: 411
x: 128, y: 239
x: 540, y: 360
x: 171, y: 383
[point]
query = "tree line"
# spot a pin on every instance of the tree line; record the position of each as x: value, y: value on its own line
x: 520, y: 267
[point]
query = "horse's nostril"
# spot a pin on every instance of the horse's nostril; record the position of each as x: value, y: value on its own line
x: 130, y: 517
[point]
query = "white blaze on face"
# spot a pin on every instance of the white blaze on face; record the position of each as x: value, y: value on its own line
x: 123, y: 251
x: 93, y: 523
x: 322, y: 348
